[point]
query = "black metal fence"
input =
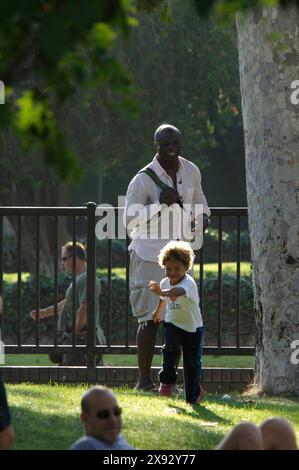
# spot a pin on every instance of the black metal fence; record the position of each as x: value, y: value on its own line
x: 88, y: 213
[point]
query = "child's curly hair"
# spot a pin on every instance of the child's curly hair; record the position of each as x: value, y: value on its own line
x: 179, y: 251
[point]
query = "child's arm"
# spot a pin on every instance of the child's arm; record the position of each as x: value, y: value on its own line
x: 172, y: 293
x: 157, y: 314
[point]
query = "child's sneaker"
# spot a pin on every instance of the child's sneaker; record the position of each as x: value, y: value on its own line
x: 165, y: 390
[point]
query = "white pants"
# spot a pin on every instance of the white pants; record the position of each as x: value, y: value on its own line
x: 143, y: 301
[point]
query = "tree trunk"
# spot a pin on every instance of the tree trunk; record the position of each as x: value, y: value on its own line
x: 267, y: 69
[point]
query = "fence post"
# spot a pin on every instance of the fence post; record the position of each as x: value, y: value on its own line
x: 91, y: 277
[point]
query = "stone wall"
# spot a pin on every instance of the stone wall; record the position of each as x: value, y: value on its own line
x: 215, y: 380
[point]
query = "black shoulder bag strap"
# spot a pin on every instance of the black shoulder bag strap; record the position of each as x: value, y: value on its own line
x: 159, y: 183
x: 155, y: 178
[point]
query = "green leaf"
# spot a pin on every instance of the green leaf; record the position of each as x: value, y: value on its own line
x: 101, y: 35
x: 31, y: 113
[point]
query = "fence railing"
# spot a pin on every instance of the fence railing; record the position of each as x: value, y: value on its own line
x: 91, y: 349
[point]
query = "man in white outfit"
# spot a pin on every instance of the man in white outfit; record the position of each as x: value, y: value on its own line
x: 164, y: 191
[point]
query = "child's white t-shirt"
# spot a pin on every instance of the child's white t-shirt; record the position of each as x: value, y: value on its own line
x: 184, y: 311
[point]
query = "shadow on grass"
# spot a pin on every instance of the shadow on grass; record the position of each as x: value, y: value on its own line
x: 203, y: 413
x: 40, y: 430
x: 52, y: 431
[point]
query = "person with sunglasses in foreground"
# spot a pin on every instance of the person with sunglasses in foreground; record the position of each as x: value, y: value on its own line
x: 102, y: 422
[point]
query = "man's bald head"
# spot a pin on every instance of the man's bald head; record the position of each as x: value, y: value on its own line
x: 101, y: 415
x: 93, y: 393
x: 165, y: 128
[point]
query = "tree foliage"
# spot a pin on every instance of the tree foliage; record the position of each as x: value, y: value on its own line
x: 185, y: 72
x: 51, y: 48
x: 48, y: 49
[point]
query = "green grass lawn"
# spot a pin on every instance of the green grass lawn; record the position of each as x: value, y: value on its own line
x: 129, y: 360
x: 47, y: 417
x: 10, y: 278
x: 209, y: 268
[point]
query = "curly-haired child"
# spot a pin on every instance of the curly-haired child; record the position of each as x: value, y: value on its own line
x: 183, y: 325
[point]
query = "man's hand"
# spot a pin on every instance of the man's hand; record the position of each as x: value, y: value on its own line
x: 154, y: 287
x: 42, y: 313
x: 156, y: 316
x: 168, y: 196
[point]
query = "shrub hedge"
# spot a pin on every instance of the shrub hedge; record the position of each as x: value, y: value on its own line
x: 118, y: 309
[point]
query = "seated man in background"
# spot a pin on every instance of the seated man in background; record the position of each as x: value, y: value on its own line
x: 272, y: 434
x: 65, y: 309
x: 102, y: 423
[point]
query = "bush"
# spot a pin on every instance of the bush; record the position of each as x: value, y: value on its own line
x: 119, y: 252
x: 229, y: 310
x: 28, y: 303
x: 118, y: 309
x: 229, y: 245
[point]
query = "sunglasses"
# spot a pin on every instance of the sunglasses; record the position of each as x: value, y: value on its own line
x: 104, y: 414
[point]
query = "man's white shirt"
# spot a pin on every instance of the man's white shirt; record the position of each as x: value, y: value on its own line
x: 166, y: 223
